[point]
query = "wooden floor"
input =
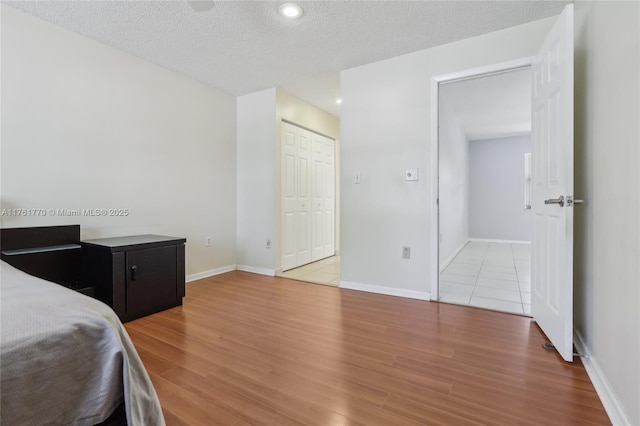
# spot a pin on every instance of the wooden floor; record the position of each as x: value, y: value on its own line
x: 249, y: 349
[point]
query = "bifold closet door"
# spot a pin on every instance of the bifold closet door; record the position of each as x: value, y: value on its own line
x: 296, y: 202
x: 329, y: 202
x: 308, y: 196
x: 323, y: 193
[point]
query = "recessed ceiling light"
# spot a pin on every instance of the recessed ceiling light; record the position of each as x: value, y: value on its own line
x: 290, y: 10
x: 338, y: 101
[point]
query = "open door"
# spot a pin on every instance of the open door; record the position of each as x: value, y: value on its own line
x: 552, y: 191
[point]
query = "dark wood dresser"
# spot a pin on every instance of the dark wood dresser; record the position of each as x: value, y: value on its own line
x: 136, y: 275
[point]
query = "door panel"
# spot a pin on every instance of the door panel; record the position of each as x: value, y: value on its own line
x: 153, y: 285
x: 303, y: 144
x: 318, y: 198
x: 289, y: 197
x: 552, y: 140
x: 328, y: 231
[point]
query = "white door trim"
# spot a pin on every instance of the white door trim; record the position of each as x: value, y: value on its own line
x: 435, y: 85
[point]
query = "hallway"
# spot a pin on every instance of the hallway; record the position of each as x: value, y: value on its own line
x: 488, y: 275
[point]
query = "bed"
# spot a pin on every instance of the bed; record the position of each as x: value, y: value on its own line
x: 66, y: 358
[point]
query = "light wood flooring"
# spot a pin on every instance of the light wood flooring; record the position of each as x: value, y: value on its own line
x: 247, y: 349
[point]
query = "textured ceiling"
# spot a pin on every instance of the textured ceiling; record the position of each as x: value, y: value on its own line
x: 244, y: 46
x: 494, y: 106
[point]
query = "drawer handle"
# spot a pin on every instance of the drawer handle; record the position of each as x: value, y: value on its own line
x: 134, y: 273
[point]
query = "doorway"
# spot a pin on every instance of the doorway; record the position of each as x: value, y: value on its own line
x: 484, y: 217
x: 308, y: 200
x: 551, y: 194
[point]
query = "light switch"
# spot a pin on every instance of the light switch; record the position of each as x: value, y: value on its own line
x: 356, y: 178
x: 411, y: 175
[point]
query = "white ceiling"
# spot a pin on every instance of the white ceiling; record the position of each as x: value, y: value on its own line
x: 492, y: 106
x: 244, y: 46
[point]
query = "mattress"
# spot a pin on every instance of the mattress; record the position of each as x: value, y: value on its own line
x: 66, y: 358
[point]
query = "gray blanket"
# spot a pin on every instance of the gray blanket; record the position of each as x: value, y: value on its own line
x: 65, y: 358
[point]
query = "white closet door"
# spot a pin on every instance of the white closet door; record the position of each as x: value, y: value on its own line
x: 289, y: 197
x: 318, y: 184
x: 296, y: 196
x: 308, y: 196
x: 303, y: 230
x: 329, y: 203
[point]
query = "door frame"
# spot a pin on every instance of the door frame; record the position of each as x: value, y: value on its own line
x: 279, y: 198
x: 487, y: 70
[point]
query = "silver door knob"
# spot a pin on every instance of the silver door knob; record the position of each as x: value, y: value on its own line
x: 559, y: 200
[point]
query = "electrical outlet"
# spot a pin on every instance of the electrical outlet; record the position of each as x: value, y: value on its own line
x: 406, y: 252
x: 268, y: 245
x: 207, y: 242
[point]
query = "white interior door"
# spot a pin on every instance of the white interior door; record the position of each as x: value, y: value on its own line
x: 296, y: 199
x: 317, y: 249
x: 552, y: 161
x: 289, y: 197
x: 308, y: 196
x: 324, y: 198
x: 329, y: 202
x: 303, y: 233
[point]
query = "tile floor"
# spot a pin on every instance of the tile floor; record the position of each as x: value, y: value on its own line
x: 490, y: 275
x: 325, y: 271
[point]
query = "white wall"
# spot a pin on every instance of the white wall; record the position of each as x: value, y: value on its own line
x: 453, y: 150
x: 87, y: 126
x: 256, y: 198
x: 607, y: 235
x: 385, y: 118
x: 496, y: 196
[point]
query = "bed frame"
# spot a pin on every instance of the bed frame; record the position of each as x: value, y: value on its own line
x: 52, y: 253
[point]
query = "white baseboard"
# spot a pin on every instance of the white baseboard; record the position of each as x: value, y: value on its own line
x: 389, y: 291
x: 252, y: 269
x: 209, y: 273
x: 607, y: 397
x: 446, y: 263
x: 488, y: 240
